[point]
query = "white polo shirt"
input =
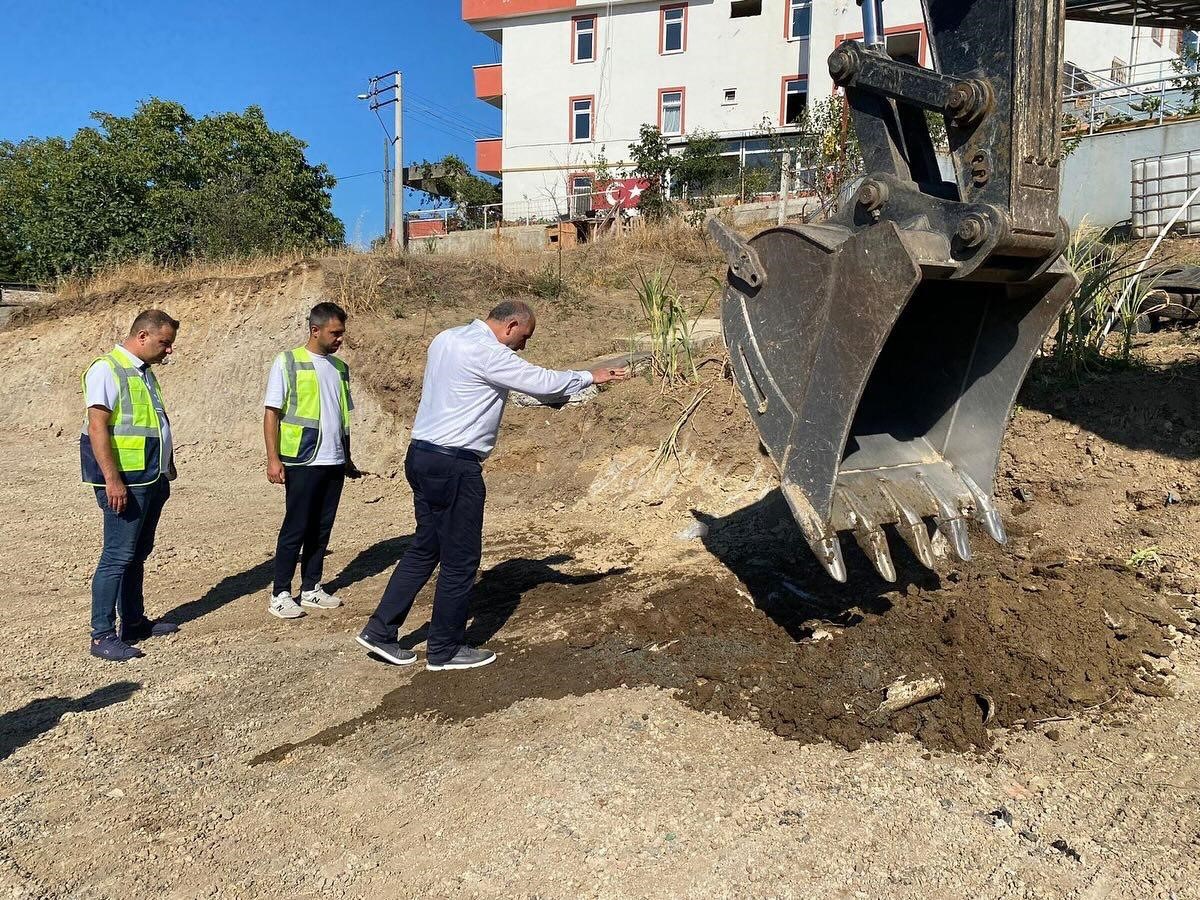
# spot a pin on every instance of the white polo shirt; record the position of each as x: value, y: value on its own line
x: 468, y: 374
x: 100, y: 388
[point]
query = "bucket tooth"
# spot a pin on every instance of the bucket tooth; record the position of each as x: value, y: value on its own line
x: 821, y: 538
x: 912, y: 527
x: 828, y: 550
x: 867, y: 532
x: 949, y: 514
x: 985, y: 510
x: 874, y: 544
x: 955, y: 530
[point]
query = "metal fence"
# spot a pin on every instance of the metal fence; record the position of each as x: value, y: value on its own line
x: 1152, y: 91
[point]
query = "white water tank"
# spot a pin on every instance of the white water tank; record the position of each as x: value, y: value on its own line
x: 1161, y: 184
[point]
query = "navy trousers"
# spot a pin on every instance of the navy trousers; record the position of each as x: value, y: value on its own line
x: 312, y: 494
x: 448, y: 498
x: 128, y: 540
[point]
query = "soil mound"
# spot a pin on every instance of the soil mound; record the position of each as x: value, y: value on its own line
x: 1014, y: 644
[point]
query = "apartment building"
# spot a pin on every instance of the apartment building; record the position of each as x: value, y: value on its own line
x: 577, y: 78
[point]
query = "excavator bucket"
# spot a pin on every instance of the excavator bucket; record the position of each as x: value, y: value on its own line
x: 880, y: 353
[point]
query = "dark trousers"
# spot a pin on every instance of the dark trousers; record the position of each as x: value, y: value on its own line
x: 448, y: 497
x: 128, y: 540
x: 312, y: 496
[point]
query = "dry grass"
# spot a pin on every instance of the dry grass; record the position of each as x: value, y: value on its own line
x: 132, y: 275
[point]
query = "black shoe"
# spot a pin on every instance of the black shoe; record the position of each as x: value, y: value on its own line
x: 388, y: 650
x: 110, y: 647
x: 147, y: 628
x: 465, y: 658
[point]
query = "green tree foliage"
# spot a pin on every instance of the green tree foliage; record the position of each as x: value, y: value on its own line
x: 700, y: 170
x: 159, y: 185
x: 651, y: 163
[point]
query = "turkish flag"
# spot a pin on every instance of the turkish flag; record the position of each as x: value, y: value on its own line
x: 622, y: 192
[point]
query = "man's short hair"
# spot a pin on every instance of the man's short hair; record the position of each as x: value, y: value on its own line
x: 511, y: 309
x: 320, y: 315
x: 152, y: 320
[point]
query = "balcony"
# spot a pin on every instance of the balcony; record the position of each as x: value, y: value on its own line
x: 489, y: 84
x: 483, y: 10
x: 489, y: 155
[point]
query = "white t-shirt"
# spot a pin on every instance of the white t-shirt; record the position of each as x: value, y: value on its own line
x: 331, y: 450
x: 100, y: 388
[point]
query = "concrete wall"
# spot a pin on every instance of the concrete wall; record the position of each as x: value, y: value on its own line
x: 1097, y: 177
x: 522, y: 237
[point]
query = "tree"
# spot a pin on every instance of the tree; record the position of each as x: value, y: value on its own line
x: 701, y: 169
x: 159, y: 185
x: 651, y: 163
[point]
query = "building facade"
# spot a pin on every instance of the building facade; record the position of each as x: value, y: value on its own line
x: 578, y: 78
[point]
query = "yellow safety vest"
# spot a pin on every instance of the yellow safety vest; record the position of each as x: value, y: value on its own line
x: 134, y: 428
x: 300, y: 427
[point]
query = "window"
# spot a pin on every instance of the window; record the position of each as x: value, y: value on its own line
x: 905, y: 46
x: 795, y: 99
x: 583, y: 39
x: 581, y: 119
x: 672, y: 29
x: 799, y: 24
x: 740, y: 9
x: 1156, y: 35
x: 581, y: 196
x: 1119, y: 71
x: 670, y: 111
x: 730, y: 95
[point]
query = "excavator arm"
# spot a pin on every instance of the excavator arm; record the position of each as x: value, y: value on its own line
x: 880, y: 352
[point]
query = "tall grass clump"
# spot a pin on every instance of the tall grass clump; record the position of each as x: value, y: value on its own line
x: 1111, y: 298
x: 669, y: 324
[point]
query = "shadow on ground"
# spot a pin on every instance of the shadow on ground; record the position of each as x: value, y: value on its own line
x: 1139, y: 407
x: 762, y: 545
x: 19, y: 727
x: 377, y: 558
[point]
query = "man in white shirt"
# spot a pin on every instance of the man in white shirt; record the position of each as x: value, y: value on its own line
x: 306, y: 427
x: 469, y: 371
x: 126, y: 455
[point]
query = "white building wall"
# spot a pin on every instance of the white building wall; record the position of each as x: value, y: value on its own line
x: 750, y: 54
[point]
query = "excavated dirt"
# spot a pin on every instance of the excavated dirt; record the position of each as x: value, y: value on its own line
x: 1021, y: 647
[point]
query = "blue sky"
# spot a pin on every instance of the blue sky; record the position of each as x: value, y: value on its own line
x: 302, y: 61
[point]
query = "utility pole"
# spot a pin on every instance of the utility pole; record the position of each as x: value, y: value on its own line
x: 400, y: 235
x: 393, y: 209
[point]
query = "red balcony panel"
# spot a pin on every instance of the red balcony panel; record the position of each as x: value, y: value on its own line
x: 489, y: 155
x: 489, y: 83
x: 482, y: 10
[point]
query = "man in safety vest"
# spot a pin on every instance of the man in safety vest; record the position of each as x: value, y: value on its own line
x: 307, y: 430
x: 127, y: 456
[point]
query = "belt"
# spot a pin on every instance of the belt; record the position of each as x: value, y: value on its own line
x: 445, y: 451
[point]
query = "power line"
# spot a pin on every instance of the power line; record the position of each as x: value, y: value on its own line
x: 462, y: 117
x: 357, y: 175
x: 455, y: 123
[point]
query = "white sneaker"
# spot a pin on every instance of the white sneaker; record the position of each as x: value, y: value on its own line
x: 318, y: 598
x: 284, y: 607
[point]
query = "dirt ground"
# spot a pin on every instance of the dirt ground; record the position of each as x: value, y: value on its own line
x: 684, y: 704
